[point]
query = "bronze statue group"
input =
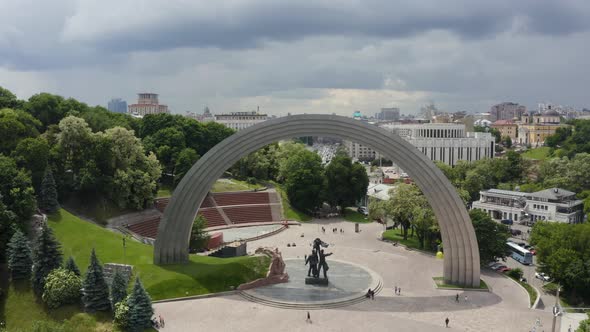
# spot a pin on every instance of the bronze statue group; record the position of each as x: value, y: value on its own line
x: 317, y: 260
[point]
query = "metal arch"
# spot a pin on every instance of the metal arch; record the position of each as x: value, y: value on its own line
x: 461, y: 262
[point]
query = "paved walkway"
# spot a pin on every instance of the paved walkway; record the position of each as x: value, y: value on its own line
x: 420, y: 307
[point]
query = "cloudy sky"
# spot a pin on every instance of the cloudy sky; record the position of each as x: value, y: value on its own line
x: 304, y: 56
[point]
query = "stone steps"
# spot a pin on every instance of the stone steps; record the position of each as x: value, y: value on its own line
x: 310, y: 306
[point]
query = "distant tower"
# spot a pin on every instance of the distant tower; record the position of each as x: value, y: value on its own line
x: 117, y: 105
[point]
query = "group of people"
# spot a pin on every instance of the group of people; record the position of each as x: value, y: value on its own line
x: 158, y: 322
x: 370, y: 294
x: 334, y: 230
x: 397, y: 290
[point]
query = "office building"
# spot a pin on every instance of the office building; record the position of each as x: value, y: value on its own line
x: 240, y: 120
x: 553, y: 204
x: 117, y: 105
x: 506, y: 111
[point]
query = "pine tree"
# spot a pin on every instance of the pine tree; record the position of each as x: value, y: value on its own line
x: 46, y: 258
x: 95, y: 292
x: 48, y: 200
x: 19, y: 260
x: 118, y: 288
x: 72, y: 267
x: 140, y: 308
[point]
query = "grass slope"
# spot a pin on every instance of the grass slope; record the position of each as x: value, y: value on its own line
x: 541, y: 153
x: 201, y: 275
x: 290, y: 212
x: 396, y: 236
x: 225, y: 185
x: 354, y: 216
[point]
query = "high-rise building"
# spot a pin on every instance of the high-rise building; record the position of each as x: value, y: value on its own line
x: 389, y: 114
x: 117, y: 105
x: 147, y: 103
x: 506, y: 111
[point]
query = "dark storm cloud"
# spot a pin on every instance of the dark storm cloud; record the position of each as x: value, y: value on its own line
x: 255, y: 22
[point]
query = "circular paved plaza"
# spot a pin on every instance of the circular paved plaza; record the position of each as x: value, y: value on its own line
x: 420, y: 307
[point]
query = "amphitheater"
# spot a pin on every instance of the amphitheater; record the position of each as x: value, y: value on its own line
x: 251, y: 211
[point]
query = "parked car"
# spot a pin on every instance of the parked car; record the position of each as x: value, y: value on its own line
x: 363, y: 210
x: 497, y: 267
x: 515, y: 232
x: 542, y: 276
x: 504, y: 269
x: 507, y: 222
x: 528, y: 247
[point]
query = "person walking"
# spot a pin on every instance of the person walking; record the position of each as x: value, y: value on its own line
x: 308, y: 320
x: 457, y: 297
x: 395, y: 290
x: 399, y: 291
x: 162, y: 324
x: 447, y: 322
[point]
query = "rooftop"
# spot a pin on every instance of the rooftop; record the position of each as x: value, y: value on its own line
x: 553, y: 193
x: 507, y: 192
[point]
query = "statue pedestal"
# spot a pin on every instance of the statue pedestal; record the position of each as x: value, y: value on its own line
x: 316, y: 281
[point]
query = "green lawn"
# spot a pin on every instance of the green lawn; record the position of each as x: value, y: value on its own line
x: 201, y: 275
x: 537, y: 153
x: 164, y: 191
x: 354, y: 216
x: 440, y: 284
x: 396, y: 235
x: 22, y: 309
x: 290, y: 212
x: 224, y: 185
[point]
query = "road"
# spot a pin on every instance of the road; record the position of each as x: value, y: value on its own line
x: 547, y: 300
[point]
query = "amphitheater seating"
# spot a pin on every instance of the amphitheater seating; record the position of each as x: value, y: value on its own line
x: 213, y: 217
x: 248, y: 214
x: 147, y: 228
x: 243, y: 198
x: 162, y: 203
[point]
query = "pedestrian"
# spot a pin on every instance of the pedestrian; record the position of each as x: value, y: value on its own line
x: 457, y: 297
x: 399, y: 291
x: 308, y: 320
x: 466, y: 298
x: 396, y: 290
x: 447, y: 322
x: 161, y: 321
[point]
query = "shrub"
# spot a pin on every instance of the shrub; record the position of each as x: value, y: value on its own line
x: 61, y: 287
x: 515, y: 274
x: 122, y: 314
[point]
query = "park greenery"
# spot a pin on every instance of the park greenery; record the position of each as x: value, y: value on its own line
x: 306, y: 182
x: 563, y: 252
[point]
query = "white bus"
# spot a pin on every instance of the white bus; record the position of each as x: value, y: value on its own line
x: 520, y: 254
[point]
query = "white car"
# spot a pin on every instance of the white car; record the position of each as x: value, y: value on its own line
x: 542, y: 276
x: 363, y: 210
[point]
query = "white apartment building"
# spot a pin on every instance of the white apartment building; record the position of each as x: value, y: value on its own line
x: 553, y: 204
x: 240, y: 120
x: 445, y: 142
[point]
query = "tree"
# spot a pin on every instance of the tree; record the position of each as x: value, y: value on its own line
x: 33, y: 154
x: 491, y: 236
x: 8, y: 99
x: 95, y: 292
x: 15, y: 125
x: 72, y: 267
x: 346, y: 182
x: 8, y: 222
x: 584, y: 325
x: 48, y: 196
x: 46, y: 108
x: 186, y: 159
x: 61, y: 287
x: 199, y: 237
x: 140, y: 308
x: 304, y: 180
x: 121, y: 313
x: 507, y: 141
x: 118, y: 289
x: 16, y: 190
x: 402, y: 203
x: 47, y: 257
x: 424, y: 223
x: 378, y: 210
x: 20, y: 260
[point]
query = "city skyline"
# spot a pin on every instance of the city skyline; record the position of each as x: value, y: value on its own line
x: 304, y: 57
